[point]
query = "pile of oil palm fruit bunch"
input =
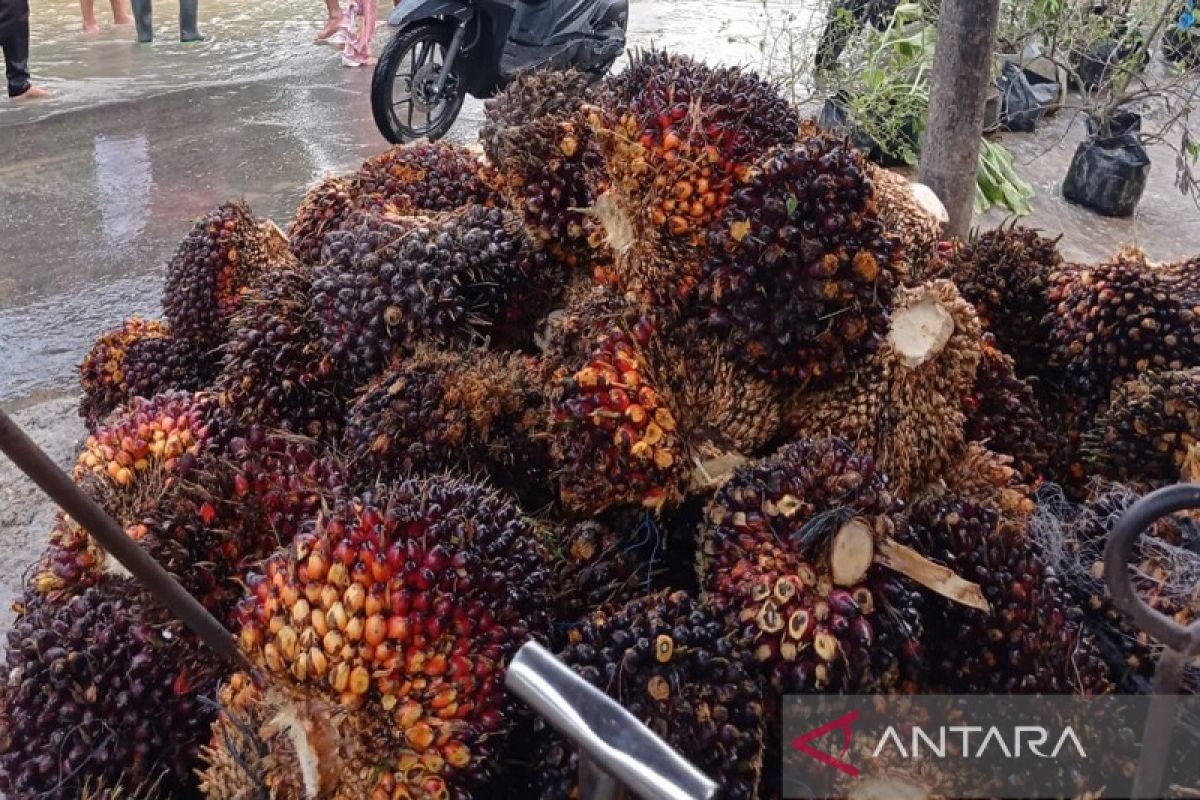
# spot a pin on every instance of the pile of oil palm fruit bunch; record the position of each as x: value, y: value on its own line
x: 662, y: 377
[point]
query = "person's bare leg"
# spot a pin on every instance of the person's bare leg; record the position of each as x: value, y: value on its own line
x: 88, y: 7
x: 334, y: 21
x: 121, y: 15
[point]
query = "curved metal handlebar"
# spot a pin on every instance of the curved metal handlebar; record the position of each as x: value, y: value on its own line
x: 614, y: 746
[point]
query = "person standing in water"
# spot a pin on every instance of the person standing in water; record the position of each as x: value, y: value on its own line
x: 188, y: 10
x: 328, y: 34
x: 358, y: 28
x: 120, y: 15
x: 14, y: 40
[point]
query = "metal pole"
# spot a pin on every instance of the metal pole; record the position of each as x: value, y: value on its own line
x: 42, y: 470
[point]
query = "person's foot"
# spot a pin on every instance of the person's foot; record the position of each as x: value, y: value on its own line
x: 347, y: 61
x: 90, y: 27
x: 123, y: 20
x: 331, y: 27
x: 34, y: 93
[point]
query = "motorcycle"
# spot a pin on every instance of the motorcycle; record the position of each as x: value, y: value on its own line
x: 444, y: 50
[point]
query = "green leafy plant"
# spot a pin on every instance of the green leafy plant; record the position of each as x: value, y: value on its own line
x: 997, y: 182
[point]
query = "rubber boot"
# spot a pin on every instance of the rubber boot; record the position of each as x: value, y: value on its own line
x: 188, y: 32
x: 141, y: 17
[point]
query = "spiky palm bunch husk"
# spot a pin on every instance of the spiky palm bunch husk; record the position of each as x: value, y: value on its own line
x: 138, y: 359
x: 1003, y: 412
x: 1116, y: 321
x: 906, y: 404
x: 102, y: 688
x: 223, y: 253
x: 537, y: 136
x: 438, y: 410
x: 1005, y: 273
x: 406, y: 605
x: 801, y: 267
x: 675, y: 133
x: 767, y: 563
x: 276, y: 372
x: 673, y: 664
x: 1147, y: 429
x: 425, y: 176
x: 128, y: 463
x: 918, y: 229
x: 462, y: 277
x: 324, y: 208
x: 598, y: 566
x: 1032, y: 640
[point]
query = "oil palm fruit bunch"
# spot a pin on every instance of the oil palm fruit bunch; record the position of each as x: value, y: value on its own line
x: 536, y: 134
x: 786, y: 558
x: 914, y: 214
x: 1118, y: 320
x: 138, y: 359
x: 676, y: 133
x: 1147, y: 428
x: 462, y: 277
x: 906, y: 404
x: 101, y: 689
x: 1032, y: 640
x: 405, y: 606
x: 127, y: 464
x: 801, y: 269
x: 206, y: 278
x: 324, y: 208
x: 426, y: 176
x: 276, y: 372
x: 597, y: 565
x: 71, y: 562
x: 672, y: 664
x: 1003, y: 412
x: 1005, y: 274
x: 437, y: 410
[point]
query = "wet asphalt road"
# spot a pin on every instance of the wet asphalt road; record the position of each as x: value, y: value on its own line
x: 98, y: 186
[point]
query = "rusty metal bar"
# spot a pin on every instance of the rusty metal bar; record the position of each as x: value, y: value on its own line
x: 1182, y: 642
x: 42, y: 470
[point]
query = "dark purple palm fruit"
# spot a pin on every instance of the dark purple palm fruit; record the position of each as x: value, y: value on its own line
x: 1005, y: 274
x: 1003, y: 412
x: 598, y: 566
x: 787, y: 557
x: 536, y: 135
x: 71, y: 563
x: 1115, y: 321
x: 426, y: 176
x: 102, y: 689
x: 324, y: 207
x: 675, y: 666
x: 206, y: 278
x: 1033, y: 638
x: 478, y: 410
x: 1148, y: 428
x: 139, y: 359
x: 801, y: 269
x: 277, y: 372
x: 403, y: 606
x: 465, y: 277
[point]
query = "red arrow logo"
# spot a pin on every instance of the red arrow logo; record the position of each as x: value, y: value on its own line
x: 842, y: 723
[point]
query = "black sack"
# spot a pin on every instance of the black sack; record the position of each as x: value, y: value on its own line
x: 1109, y: 171
x: 1020, y: 109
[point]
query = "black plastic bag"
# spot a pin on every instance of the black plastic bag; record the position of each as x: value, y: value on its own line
x: 1095, y: 66
x: 1020, y: 109
x: 1110, y: 168
x: 1045, y: 90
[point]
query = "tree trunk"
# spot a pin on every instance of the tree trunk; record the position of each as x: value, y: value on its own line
x: 962, y: 71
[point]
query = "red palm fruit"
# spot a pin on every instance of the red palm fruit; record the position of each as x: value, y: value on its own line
x: 102, y: 689
x: 786, y: 557
x: 675, y: 666
x: 276, y: 371
x: 223, y: 253
x: 464, y: 585
x: 324, y: 207
x: 139, y: 359
x: 801, y: 268
x: 71, y: 563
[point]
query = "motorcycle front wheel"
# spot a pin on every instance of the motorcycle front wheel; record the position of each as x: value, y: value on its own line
x: 403, y: 88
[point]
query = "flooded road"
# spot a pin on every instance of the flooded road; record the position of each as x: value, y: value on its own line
x: 98, y: 185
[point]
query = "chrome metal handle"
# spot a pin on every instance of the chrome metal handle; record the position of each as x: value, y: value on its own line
x: 614, y: 746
